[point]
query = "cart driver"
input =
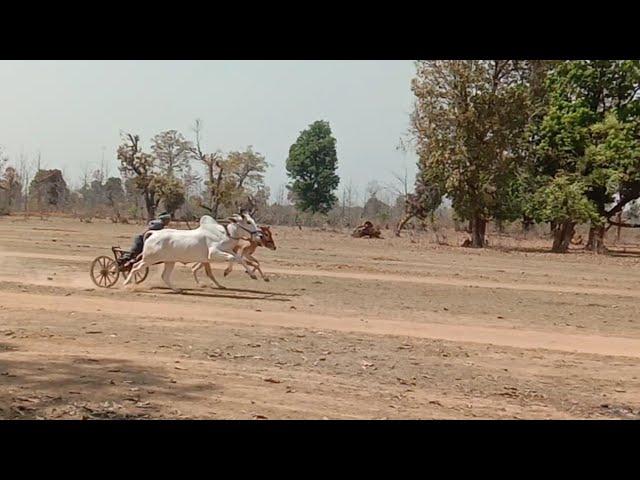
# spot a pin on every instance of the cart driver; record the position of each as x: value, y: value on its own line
x: 161, y: 222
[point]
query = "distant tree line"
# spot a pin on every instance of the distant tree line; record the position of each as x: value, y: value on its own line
x: 548, y: 143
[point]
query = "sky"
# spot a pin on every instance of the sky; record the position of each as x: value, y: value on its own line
x: 73, y: 112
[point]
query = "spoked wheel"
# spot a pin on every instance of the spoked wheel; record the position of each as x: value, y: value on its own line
x: 140, y: 275
x: 104, y: 272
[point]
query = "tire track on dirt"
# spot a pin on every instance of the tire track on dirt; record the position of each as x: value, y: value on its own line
x: 390, y: 277
x: 525, y: 339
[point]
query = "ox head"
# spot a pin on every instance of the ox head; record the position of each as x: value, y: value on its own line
x: 246, y: 223
x: 267, y: 238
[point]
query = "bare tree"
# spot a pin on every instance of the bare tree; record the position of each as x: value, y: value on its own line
x: 372, y: 189
x: 281, y: 199
x: 26, y: 170
x: 400, y: 188
x: 213, y: 171
x: 133, y: 162
x: 3, y: 159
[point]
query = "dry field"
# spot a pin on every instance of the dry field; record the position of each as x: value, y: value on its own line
x: 346, y: 328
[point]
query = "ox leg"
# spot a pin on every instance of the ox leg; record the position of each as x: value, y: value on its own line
x: 230, y: 257
x: 257, y: 267
x: 166, y: 276
x: 136, y: 267
x: 246, y: 264
x: 209, y: 272
x: 194, y: 269
x: 227, y: 270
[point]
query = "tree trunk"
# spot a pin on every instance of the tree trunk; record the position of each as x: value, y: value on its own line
x: 478, y: 229
x: 402, y: 223
x: 562, y: 235
x: 151, y: 206
x: 596, y: 239
x: 527, y: 222
x: 216, y: 205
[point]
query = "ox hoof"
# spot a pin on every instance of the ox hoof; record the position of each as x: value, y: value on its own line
x: 225, y: 273
x: 266, y: 279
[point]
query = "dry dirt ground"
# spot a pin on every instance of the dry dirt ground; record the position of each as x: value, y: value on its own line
x: 346, y: 328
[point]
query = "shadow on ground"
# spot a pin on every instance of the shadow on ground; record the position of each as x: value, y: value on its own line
x: 81, y: 387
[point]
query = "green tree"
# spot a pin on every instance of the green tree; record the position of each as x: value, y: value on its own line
x: 241, y: 178
x: 590, y: 133
x: 311, y: 166
x: 468, y: 123
x: 172, y: 151
x: 563, y: 203
x: 170, y: 191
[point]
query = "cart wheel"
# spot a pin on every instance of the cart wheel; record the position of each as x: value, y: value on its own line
x: 104, y: 272
x: 140, y: 275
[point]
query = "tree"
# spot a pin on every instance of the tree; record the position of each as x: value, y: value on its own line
x: 172, y: 152
x: 241, y: 177
x: 11, y: 186
x: 590, y: 133
x: 563, y: 203
x: 3, y: 160
x: 114, y: 194
x: 25, y: 169
x: 96, y: 190
x: 139, y: 165
x: 421, y: 204
x: 192, y: 191
x: 375, y: 208
x: 468, y: 119
x: 169, y: 191
x: 132, y: 196
x: 49, y: 189
x: 311, y: 166
x: 213, y: 171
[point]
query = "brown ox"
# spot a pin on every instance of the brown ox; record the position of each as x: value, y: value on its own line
x: 244, y: 248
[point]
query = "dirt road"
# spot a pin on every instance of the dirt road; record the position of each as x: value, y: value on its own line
x: 347, y: 328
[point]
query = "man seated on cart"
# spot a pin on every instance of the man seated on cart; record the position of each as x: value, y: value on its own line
x: 163, y: 220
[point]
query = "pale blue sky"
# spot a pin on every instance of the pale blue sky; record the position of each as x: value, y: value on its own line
x: 69, y: 110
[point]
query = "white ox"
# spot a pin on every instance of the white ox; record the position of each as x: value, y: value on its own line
x: 201, y: 245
